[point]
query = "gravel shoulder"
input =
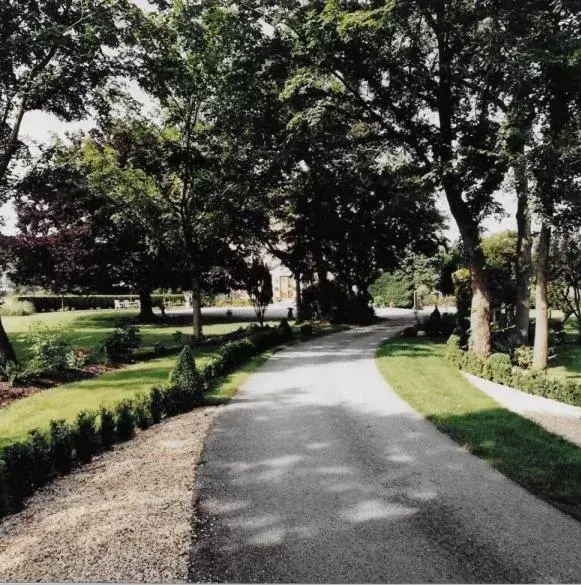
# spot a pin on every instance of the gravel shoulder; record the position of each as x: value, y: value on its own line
x: 124, y: 517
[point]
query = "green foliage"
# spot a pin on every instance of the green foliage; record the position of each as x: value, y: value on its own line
x: 185, y: 374
x: 395, y: 289
x: 463, y: 292
x: 438, y: 325
x: 125, y: 420
x: 49, y: 350
x: 13, y: 307
x: 61, y: 444
x: 122, y: 343
x: 156, y: 405
x: 499, y: 369
x: 106, y: 428
x: 306, y: 330
x: 143, y: 411
x: 42, y: 470
x: 14, y: 373
x: 85, y: 436
x: 18, y: 468
x: 523, y: 356
x: 285, y: 329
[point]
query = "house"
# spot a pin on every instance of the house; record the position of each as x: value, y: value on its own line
x: 283, y: 282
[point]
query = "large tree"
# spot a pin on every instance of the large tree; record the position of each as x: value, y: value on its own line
x: 56, y: 57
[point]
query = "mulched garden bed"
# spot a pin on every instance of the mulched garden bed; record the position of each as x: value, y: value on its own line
x: 11, y: 394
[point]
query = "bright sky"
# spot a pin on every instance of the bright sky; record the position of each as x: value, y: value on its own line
x: 39, y: 128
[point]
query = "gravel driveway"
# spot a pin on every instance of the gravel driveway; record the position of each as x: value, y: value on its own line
x: 124, y: 517
x: 318, y: 472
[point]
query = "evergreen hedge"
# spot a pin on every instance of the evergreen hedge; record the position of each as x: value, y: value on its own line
x: 28, y: 465
x: 499, y: 368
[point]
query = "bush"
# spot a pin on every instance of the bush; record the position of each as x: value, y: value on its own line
x: 395, y: 289
x: 438, y: 325
x: 61, y: 446
x: 142, y: 410
x: 285, y: 329
x: 557, y: 333
x: 107, y: 433
x: 13, y: 307
x: 156, y: 405
x: 18, y: 466
x: 42, y: 470
x: 522, y: 356
x: 306, y: 330
x: 122, y: 343
x: 85, y: 436
x: 14, y: 374
x: 49, y: 351
x: 185, y: 374
x: 124, y: 420
x: 410, y: 332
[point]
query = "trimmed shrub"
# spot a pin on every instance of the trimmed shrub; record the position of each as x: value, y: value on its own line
x: 42, y: 470
x: 285, y: 329
x: 156, y: 405
x: 18, y: 466
x: 14, y: 373
x: 122, y: 343
x: 124, y: 420
x: 106, y: 428
x: 142, y: 410
x: 61, y: 446
x: 409, y: 332
x: 85, y: 436
x: 306, y: 330
x: 185, y: 374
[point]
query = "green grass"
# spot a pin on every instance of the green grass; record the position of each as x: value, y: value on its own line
x: 545, y: 464
x: 89, y: 328
x: 65, y: 402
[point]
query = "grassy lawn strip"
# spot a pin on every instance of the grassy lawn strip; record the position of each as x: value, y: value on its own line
x: 65, y: 402
x: 545, y: 464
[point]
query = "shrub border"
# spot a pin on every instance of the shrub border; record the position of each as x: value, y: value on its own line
x: 498, y: 368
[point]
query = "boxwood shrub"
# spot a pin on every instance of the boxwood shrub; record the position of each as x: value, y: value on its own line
x: 30, y: 464
x: 499, y: 368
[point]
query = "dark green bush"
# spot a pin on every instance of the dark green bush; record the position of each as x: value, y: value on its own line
x: 285, y: 330
x: 156, y: 405
x: 49, y: 351
x: 306, y: 330
x: 107, y: 433
x: 124, y: 420
x: 61, y: 446
x: 122, y: 343
x: 4, y: 503
x: 19, y: 463
x: 410, y: 332
x: 185, y: 374
x: 142, y: 410
x: 41, y: 454
x: 85, y: 436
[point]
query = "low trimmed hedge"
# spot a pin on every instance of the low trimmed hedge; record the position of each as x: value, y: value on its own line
x: 44, y: 304
x: 498, y: 368
x: 28, y: 465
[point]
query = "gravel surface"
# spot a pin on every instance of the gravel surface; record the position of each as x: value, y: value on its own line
x: 318, y: 472
x: 124, y: 517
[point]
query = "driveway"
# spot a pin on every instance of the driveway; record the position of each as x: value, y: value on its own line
x: 319, y: 472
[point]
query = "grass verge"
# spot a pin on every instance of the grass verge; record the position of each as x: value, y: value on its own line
x: 545, y: 464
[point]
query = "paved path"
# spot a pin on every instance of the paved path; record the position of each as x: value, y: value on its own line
x: 318, y: 472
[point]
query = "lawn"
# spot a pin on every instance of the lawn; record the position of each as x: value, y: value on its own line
x: 567, y: 363
x: 65, y: 402
x: 89, y: 328
x: 545, y: 464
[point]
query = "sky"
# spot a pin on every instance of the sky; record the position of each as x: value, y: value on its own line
x: 39, y: 128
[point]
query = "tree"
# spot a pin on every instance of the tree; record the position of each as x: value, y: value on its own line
x: 57, y: 58
x: 77, y: 233
x: 257, y: 281
x: 418, y: 72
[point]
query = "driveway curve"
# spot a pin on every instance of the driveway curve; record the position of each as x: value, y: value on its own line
x: 318, y: 472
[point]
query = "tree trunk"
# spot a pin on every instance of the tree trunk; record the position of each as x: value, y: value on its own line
x: 7, y: 353
x: 146, y: 314
x: 299, y: 310
x: 523, y: 253
x: 197, y: 307
x: 541, y: 348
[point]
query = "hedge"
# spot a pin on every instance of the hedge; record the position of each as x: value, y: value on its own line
x: 44, y: 304
x: 499, y: 368
x: 27, y: 465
